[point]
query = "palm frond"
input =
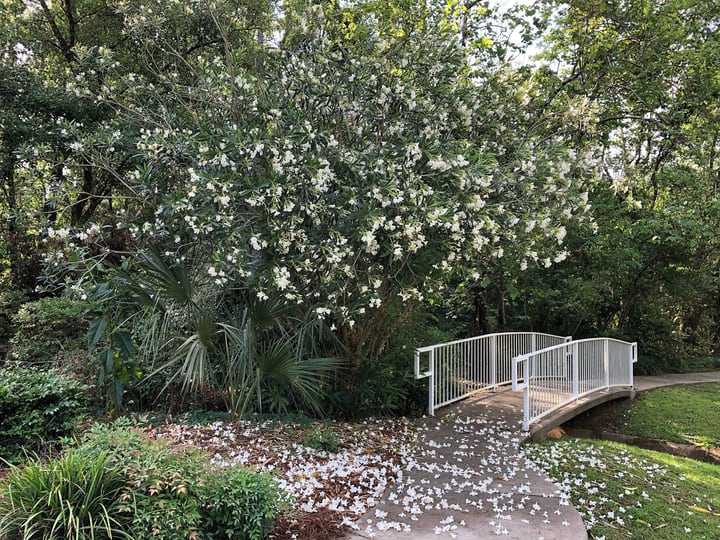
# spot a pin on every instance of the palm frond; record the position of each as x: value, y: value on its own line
x: 265, y: 314
x: 278, y: 365
x: 169, y: 278
x: 240, y: 375
x: 196, y: 372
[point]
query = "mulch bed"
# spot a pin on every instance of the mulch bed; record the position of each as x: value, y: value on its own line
x: 331, y: 490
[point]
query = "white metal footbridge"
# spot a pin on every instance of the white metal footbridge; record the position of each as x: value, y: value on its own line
x: 551, y: 371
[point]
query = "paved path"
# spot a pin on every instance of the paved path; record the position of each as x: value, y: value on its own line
x: 467, y: 480
x: 648, y: 383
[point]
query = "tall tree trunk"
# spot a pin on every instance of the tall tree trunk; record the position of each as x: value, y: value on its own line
x: 8, y: 160
x: 479, y: 323
x: 7, y: 176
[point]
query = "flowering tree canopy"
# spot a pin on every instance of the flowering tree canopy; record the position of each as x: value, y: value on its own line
x: 352, y: 174
x: 354, y: 164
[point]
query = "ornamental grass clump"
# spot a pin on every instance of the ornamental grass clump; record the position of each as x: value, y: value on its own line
x: 70, y: 498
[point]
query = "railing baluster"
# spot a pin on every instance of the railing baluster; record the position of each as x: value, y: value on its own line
x: 576, y: 374
x: 561, y: 370
x: 431, y: 383
x: 563, y: 373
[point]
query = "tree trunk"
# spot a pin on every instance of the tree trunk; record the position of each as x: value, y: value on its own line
x: 479, y: 323
x: 7, y: 177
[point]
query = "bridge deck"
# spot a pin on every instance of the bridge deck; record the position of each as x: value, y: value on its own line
x: 508, y: 405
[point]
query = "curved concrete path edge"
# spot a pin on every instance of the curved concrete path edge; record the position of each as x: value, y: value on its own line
x: 466, y: 478
x: 643, y: 383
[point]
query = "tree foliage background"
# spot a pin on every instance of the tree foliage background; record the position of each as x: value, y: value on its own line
x: 246, y: 192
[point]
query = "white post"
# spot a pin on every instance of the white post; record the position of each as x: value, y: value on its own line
x: 431, y: 383
x: 633, y: 359
x: 564, y: 359
x: 526, y: 407
x: 576, y: 374
x: 493, y: 362
x: 606, y: 363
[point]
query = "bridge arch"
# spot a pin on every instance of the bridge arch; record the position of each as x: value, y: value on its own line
x: 552, y: 371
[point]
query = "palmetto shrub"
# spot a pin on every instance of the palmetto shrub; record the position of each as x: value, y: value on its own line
x: 190, y: 334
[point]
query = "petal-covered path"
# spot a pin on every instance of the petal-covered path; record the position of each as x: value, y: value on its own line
x: 468, y: 480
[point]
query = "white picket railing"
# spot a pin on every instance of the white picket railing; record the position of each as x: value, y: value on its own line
x: 458, y: 368
x: 560, y: 374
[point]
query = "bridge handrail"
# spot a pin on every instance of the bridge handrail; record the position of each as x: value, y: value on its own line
x: 428, y: 348
x: 475, y: 363
x: 552, y: 388
x: 522, y: 357
x: 485, y: 336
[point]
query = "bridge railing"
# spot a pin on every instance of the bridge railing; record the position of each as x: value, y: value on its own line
x: 458, y: 368
x: 560, y: 374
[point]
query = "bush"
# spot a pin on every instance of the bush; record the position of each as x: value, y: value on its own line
x: 173, y: 493
x: 387, y: 386
x: 37, y: 408
x: 380, y: 387
x: 322, y: 438
x: 72, y: 497
x: 49, y: 329
x: 10, y: 302
x: 239, y: 504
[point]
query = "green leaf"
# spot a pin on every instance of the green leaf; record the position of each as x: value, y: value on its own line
x: 513, y: 291
x: 122, y: 341
x: 106, y: 359
x: 96, y: 331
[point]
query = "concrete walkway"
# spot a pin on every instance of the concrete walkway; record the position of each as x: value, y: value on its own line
x: 648, y: 383
x: 466, y: 479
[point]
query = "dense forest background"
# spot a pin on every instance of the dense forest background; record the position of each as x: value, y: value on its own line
x: 267, y: 205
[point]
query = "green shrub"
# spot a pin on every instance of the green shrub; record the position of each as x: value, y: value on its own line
x: 239, y: 504
x: 703, y: 363
x: 322, y: 438
x: 174, y: 493
x: 166, y: 482
x: 380, y: 387
x: 48, y: 329
x: 386, y: 385
x: 72, y: 497
x: 10, y: 302
x: 37, y: 408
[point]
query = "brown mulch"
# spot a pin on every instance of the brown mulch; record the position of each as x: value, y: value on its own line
x: 280, y: 447
x: 323, y: 524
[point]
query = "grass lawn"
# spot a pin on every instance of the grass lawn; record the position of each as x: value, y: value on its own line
x: 626, y: 492
x: 684, y: 414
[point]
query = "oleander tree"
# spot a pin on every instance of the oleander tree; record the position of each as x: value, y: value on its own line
x: 351, y: 172
x: 344, y: 164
